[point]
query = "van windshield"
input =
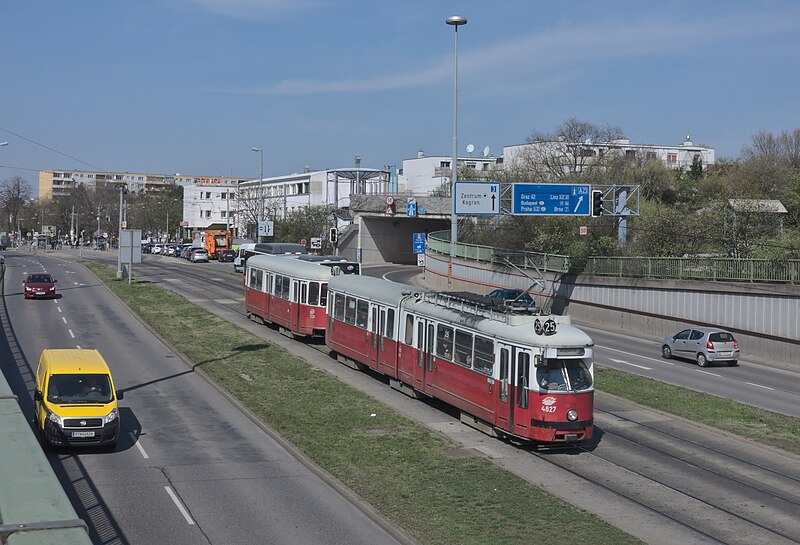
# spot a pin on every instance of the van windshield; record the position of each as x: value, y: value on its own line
x: 80, y: 388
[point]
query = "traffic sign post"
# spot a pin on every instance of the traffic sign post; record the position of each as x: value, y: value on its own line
x: 477, y: 198
x: 265, y: 228
x: 551, y: 200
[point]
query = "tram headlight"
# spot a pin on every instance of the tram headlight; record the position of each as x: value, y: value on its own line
x: 572, y: 415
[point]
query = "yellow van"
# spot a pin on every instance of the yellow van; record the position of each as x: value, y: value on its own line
x: 76, y: 403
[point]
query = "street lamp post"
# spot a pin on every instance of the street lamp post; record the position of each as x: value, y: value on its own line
x: 260, y: 191
x: 455, y: 21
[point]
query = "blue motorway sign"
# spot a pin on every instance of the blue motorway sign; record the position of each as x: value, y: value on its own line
x: 551, y: 200
x: 419, y: 243
x: 411, y: 210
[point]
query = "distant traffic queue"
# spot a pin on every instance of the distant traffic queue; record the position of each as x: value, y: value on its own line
x: 512, y: 374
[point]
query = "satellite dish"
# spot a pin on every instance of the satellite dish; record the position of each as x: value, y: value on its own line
x: 486, y: 151
x: 470, y: 148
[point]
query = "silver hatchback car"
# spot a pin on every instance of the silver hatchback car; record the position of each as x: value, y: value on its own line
x: 703, y: 345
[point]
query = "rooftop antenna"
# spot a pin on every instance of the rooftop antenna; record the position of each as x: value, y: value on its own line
x: 486, y: 151
x: 470, y: 149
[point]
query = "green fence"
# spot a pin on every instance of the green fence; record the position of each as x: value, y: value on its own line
x: 676, y: 268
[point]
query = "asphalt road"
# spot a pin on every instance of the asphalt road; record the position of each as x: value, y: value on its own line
x: 190, y: 467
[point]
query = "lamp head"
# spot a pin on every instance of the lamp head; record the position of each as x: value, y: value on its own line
x: 456, y: 21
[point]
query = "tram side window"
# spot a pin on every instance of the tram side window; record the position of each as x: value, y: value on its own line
x: 444, y: 342
x: 338, y: 306
x: 463, y: 348
x: 313, y: 293
x: 282, y: 284
x: 350, y: 310
x: 256, y: 278
x: 362, y: 314
x: 484, y: 355
x: 390, y: 323
x: 323, y: 295
x: 409, y: 339
x: 523, y: 379
x: 304, y: 292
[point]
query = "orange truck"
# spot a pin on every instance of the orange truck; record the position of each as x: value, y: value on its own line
x: 214, y: 241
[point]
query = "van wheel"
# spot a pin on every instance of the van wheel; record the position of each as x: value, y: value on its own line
x: 666, y: 352
x: 702, y: 361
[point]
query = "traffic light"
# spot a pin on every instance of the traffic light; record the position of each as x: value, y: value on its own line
x: 333, y: 235
x: 597, y: 203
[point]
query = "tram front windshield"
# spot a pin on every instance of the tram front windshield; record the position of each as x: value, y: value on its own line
x: 564, y: 375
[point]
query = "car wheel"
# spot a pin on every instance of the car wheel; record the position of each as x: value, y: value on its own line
x: 701, y: 360
x: 733, y: 363
x: 666, y: 352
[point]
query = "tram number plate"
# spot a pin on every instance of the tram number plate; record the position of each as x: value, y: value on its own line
x: 82, y: 434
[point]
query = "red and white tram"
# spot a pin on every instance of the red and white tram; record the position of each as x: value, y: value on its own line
x: 512, y: 375
x: 287, y: 292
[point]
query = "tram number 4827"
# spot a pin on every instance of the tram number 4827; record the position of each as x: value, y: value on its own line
x: 546, y: 328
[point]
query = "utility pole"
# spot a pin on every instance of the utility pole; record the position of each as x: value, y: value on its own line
x: 119, y: 232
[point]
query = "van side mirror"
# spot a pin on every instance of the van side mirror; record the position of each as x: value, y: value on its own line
x: 120, y: 394
x: 37, y: 395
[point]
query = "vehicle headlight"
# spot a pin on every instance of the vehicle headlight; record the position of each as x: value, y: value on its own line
x: 53, y: 417
x: 572, y: 415
x: 110, y: 417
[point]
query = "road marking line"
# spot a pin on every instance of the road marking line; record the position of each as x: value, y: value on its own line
x: 71, y: 334
x: 59, y: 309
x: 182, y: 509
x: 78, y: 346
x: 632, y: 364
x: 138, y: 445
x: 759, y: 386
x: 707, y: 373
x: 65, y: 320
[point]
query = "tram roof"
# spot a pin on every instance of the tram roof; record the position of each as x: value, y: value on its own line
x: 291, y: 266
x: 374, y: 289
x: 518, y: 328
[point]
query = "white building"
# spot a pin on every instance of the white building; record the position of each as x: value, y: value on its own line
x: 422, y: 175
x: 209, y: 202
x: 680, y: 156
x: 282, y: 195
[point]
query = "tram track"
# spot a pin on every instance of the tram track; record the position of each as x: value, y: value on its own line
x: 684, y: 495
x: 685, y: 506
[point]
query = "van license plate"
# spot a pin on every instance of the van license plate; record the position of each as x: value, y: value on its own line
x: 82, y: 434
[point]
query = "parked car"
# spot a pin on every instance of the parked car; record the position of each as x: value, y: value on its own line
x: 187, y: 252
x: 198, y: 255
x: 513, y: 298
x: 702, y: 344
x: 39, y: 285
x: 226, y: 256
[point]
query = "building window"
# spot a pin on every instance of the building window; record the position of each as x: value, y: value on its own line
x: 630, y: 153
x: 208, y: 194
x: 672, y: 158
x: 224, y: 213
x: 208, y: 213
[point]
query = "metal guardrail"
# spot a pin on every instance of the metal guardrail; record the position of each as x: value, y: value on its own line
x: 675, y: 268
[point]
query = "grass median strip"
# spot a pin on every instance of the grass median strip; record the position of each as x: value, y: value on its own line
x: 404, y: 471
x: 744, y: 420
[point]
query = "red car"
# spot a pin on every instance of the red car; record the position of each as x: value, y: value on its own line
x: 39, y: 285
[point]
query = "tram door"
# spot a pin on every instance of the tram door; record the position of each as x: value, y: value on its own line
x: 513, y: 395
x: 376, y: 343
x: 294, y: 306
x: 425, y: 366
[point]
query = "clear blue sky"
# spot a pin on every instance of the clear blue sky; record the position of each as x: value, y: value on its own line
x: 190, y: 86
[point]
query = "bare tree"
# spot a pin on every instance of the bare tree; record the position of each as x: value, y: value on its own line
x: 574, y: 152
x: 783, y: 148
x: 14, y: 194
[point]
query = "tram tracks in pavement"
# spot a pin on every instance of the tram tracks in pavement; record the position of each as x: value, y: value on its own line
x: 742, y: 487
x: 198, y: 286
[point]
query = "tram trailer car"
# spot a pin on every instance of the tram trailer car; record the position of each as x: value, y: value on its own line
x: 287, y: 292
x: 516, y: 376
